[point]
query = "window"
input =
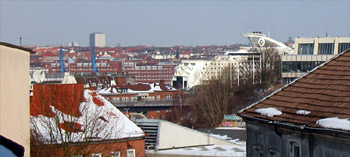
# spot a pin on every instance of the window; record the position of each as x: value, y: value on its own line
x: 150, y: 98
x: 343, y: 47
x: 125, y: 99
x: 168, y: 96
x: 131, y: 153
x: 158, y: 97
x: 273, y: 153
x: 306, y: 49
x: 326, y: 48
x: 78, y: 156
x: 258, y: 151
x: 115, y: 154
x: 294, y: 149
x: 96, y: 155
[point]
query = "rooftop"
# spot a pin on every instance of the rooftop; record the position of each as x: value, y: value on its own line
x: 84, y: 113
x: 318, y: 99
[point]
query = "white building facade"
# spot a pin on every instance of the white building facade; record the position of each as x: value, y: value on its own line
x: 190, y: 73
x: 97, y: 39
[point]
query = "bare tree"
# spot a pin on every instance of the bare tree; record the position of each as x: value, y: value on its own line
x: 235, y: 88
x: 210, y: 103
x: 61, y: 126
x: 270, y: 71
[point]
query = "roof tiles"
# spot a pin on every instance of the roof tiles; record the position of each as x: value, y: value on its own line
x: 325, y: 92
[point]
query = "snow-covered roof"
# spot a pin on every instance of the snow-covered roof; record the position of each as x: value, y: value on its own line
x: 138, y: 88
x: 95, y: 118
x: 213, y: 150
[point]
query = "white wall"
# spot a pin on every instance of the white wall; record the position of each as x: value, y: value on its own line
x: 172, y: 135
x: 14, y: 96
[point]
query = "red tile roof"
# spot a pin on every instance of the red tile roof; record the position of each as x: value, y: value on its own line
x: 49, y: 54
x: 186, y: 52
x: 81, y: 108
x: 325, y: 92
x: 71, y: 126
x: 65, y: 98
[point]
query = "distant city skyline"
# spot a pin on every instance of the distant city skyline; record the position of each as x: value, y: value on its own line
x: 168, y: 23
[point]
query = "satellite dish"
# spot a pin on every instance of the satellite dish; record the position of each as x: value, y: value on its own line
x: 39, y: 76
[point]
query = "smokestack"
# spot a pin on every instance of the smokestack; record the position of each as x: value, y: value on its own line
x: 20, y: 41
x: 61, y: 60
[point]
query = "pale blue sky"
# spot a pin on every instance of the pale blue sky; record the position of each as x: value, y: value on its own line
x: 168, y: 23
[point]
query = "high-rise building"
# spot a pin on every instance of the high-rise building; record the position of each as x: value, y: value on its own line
x: 97, y: 39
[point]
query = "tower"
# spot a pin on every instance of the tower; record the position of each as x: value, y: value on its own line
x: 97, y: 39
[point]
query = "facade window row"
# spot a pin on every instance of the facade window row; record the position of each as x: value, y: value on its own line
x: 135, y: 72
x: 299, y: 66
x: 130, y: 153
x: 293, y: 150
x: 150, y: 79
x: 140, y: 98
x: 323, y: 48
x: 153, y: 75
x: 151, y: 67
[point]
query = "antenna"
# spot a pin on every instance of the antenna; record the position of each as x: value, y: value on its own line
x: 39, y: 76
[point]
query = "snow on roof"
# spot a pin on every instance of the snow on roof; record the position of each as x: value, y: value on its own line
x: 214, y: 150
x: 334, y: 123
x: 270, y: 111
x: 99, y: 120
x: 231, y: 128
x: 303, y: 112
x: 134, y: 89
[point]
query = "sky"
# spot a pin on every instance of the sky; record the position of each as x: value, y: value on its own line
x: 168, y: 23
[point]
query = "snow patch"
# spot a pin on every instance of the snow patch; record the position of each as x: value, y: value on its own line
x: 303, y: 112
x: 231, y: 128
x: 214, y: 150
x: 270, y: 111
x: 334, y: 123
